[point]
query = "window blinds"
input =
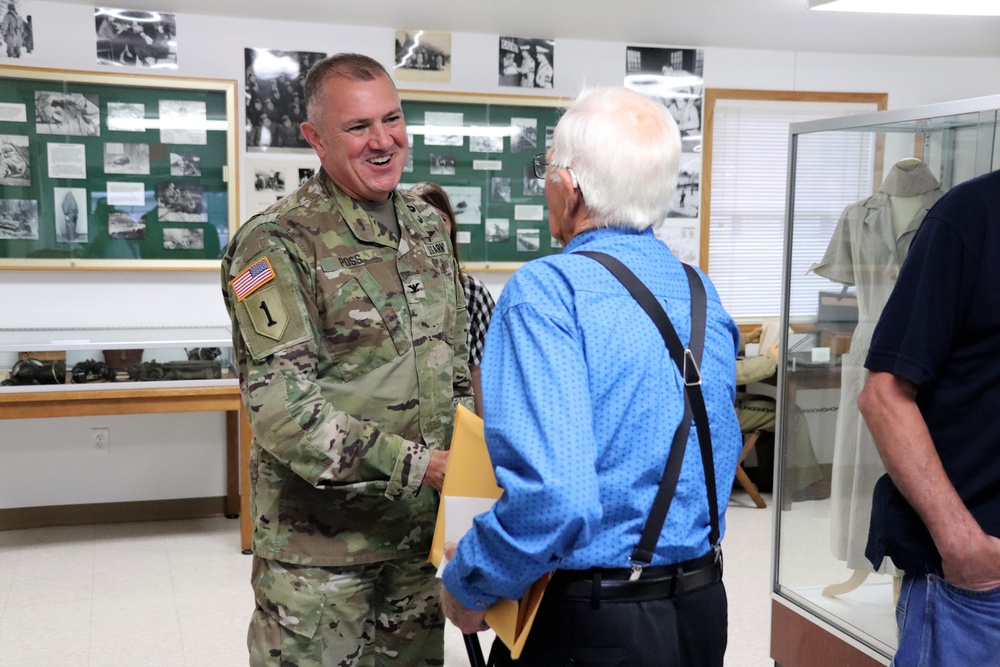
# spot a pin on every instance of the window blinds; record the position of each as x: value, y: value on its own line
x: 748, y: 195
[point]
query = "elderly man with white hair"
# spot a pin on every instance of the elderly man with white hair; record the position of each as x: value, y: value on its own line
x: 587, y: 410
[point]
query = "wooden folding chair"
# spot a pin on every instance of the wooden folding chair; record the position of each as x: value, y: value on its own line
x: 749, y: 442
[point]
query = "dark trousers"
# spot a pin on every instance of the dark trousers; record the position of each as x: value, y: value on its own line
x: 686, y: 631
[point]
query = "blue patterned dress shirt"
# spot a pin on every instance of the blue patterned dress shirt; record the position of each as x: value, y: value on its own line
x: 581, y: 403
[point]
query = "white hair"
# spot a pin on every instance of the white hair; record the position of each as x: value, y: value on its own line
x: 625, y: 150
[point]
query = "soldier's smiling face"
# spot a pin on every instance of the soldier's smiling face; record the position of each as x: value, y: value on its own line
x: 360, y: 136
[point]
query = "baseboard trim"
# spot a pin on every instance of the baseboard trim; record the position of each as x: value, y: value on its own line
x: 20, y: 518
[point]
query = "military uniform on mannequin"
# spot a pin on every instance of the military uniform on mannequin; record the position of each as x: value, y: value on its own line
x: 866, y: 251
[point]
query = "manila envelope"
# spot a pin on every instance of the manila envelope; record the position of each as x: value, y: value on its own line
x: 470, y: 475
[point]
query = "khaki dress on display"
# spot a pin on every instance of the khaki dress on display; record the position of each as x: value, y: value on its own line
x: 866, y: 252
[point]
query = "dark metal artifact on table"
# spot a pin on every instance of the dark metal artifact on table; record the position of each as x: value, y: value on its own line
x: 35, y: 371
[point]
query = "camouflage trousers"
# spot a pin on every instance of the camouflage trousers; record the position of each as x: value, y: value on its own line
x: 385, y: 613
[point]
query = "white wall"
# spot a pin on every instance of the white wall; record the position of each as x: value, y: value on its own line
x: 51, y: 462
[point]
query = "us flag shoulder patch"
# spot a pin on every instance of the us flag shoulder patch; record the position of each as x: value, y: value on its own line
x: 248, y: 281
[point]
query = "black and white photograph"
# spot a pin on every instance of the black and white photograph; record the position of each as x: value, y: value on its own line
x: 529, y: 240
x: 15, y: 160
x: 135, y: 38
x: 181, y: 202
x: 70, y: 206
x: 467, y: 202
x: 185, y: 164
x: 275, y: 97
x: 126, y: 226
x: 525, y: 136
x: 533, y: 187
x: 497, y: 230
x: 422, y: 55
x: 126, y: 158
x: 126, y: 117
x: 18, y: 219
x: 687, y: 197
x: 72, y: 114
x: 17, y: 31
x: 486, y: 143
x: 672, y: 76
x: 442, y: 128
x: 500, y: 190
x: 182, y: 238
x: 265, y: 178
x: 269, y: 179
x: 183, y: 122
x: 442, y: 164
x: 550, y: 132
x: 526, y: 63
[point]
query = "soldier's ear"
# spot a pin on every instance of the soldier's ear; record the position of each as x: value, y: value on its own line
x: 313, y: 136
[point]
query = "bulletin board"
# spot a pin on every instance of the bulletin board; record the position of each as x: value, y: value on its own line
x: 115, y: 171
x: 479, y: 149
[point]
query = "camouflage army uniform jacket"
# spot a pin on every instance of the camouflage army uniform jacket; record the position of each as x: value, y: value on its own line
x: 352, y: 359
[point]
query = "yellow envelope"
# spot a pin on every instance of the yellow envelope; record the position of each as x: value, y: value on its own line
x: 470, y: 475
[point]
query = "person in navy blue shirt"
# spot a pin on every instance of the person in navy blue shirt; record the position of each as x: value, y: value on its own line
x: 932, y: 403
x: 582, y: 401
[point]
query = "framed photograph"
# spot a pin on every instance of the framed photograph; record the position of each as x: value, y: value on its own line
x: 423, y: 56
x: 15, y: 160
x: 526, y: 63
x: 109, y: 163
x: 17, y: 36
x: 126, y: 158
x: 488, y: 177
x: 275, y: 98
x: 673, y: 77
x: 135, y: 38
x: 70, y: 206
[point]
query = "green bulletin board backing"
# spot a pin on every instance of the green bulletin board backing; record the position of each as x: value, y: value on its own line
x: 482, y: 157
x: 123, y: 171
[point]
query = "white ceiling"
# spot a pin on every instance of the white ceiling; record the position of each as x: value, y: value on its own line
x: 754, y: 24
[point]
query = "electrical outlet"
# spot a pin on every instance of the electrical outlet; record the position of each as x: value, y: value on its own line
x: 101, y: 437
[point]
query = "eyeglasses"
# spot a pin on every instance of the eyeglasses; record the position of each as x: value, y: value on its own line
x: 539, y: 165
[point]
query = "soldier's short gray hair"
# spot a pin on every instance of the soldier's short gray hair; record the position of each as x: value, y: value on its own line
x: 353, y: 66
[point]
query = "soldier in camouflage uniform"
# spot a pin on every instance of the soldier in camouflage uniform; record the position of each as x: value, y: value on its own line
x: 348, y: 322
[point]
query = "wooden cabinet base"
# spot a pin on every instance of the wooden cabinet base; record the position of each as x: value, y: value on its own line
x: 796, y: 641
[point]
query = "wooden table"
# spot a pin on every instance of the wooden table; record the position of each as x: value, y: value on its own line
x: 145, y: 400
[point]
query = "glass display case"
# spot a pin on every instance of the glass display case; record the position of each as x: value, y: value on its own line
x: 34, y: 360
x: 845, y: 240
x: 58, y: 373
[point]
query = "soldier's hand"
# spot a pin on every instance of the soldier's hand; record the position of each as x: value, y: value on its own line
x: 754, y: 335
x: 434, y: 476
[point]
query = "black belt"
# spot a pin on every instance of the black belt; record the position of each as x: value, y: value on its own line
x: 662, y: 582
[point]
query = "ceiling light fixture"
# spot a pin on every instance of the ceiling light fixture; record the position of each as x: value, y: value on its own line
x: 954, y: 7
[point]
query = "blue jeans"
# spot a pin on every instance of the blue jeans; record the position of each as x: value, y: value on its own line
x: 941, y: 625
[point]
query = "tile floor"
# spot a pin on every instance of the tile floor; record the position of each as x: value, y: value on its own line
x: 176, y: 594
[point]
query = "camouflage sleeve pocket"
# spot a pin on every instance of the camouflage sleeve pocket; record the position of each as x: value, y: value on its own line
x: 287, y: 598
